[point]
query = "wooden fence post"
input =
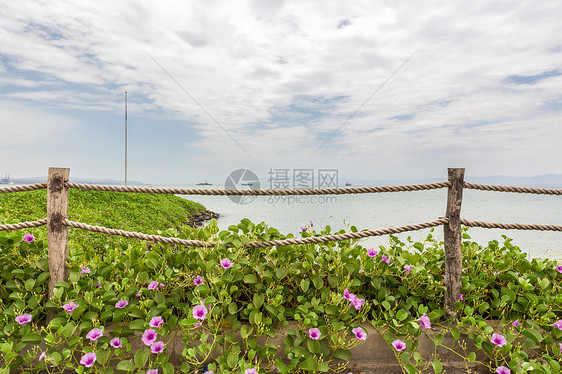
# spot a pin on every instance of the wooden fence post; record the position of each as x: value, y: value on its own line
x: 57, y: 233
x: 453, y: 241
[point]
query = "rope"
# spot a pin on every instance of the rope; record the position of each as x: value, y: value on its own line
x: 23, y: 225
x: 272, y: 243
x: 510, y: 226
x: 27, y: 187
x: 533, y: 190
x: 306, y: 191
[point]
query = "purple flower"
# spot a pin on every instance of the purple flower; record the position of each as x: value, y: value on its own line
x: 157, y: 347
x: 22, y: 319
x: 371, y: 252
x: 251, y: 371
x: 559, y: 268
x: 152, y: 371
x: 498, y: 340
x: 347, y: 295
x: 99, y: 284
x: 199, y: 312
x: 153, y: 285
x: 225, y: 262
x: 209, y: 372
x: 43, y: 355
x: 357, y: 302
x: 360, y: 334
x: 311, y: 225
x: 149, y: 337
x: 503, y: 370
x: 399, y: 345
x: 384, y: 259
x: 558, y: 324
x: 162, y: 285
x: 424, y: 321
x: 70, y: 307
x: 116, y: 343
x: 314, y: 333
x: 138, y: 294
x: 88, y: 359
x: 198, y: 280
x: 156, y: 322
x: 461, y: 297
x: 408, y: 268
x: 84, y: 270
x: 28, y: 238
x: 560, y: 344
x: 121, y: 304
x: 94, y: 335
x: 514, y: 324
x: 303, y: 229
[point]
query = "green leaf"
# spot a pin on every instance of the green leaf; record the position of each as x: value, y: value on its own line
x: 126, y: 365
x: 168, y: 368
x: 137, y: 324
x: 250, y: 279
x: 281, y: 273
x: 32, y: 337
x: 342, y: 354
x: 258, y: 300
x: 471, y: 357
x: 532, y: 334
x: 141, y: 357
x: 437, y: 366
x: 305, y: 283
x: 232, y: 308
x: 159, y: 298
x: 232, y: 359
x: 29, y: 284
x: 309, y: 365
x: 401, y: 315
x: 281, y: 366
x: 386, y: 305
x: 456, y: 333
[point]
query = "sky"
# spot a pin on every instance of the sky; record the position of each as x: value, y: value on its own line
x: 372, y: 89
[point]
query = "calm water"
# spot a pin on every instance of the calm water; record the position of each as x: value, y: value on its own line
x: 374, y: 211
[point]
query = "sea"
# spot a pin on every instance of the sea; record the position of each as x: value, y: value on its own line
x: 289, y: 214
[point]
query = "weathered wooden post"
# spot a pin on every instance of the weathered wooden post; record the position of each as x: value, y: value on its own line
x: 57, y: 233
x: 453, y: 241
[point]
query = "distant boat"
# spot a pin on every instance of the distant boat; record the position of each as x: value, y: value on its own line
x: 6, y: 179
x: 347, y: 184
x: 246, y: 184
x: 204, y: 184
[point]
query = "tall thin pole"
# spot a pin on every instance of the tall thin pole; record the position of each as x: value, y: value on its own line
x: 125, y: 138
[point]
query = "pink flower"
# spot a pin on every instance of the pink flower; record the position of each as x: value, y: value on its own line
x: 121, y: 304
x: 251, y: 371
x: 99, y: 284
x: 116, y: 343
x: 22, y: 319
x: 408, y: 268
x: 399, y: 345
x: 498, y: 340
x: 157, y: 347
x: 152, y: 371
x: 560, y: 344
x: 514, y: 324
x: 43, y: 355
x: 371, y: 252
x: 225, y: 262
x: 138, y: 294
x: 209, y: 372
x: 357, y: 302
x: 347, y: 295
x: 558, y: 324
x: 156, y: 322
x: 311, y: 225
x: 197, y: 325
x: 314, y: 333
x: 199, y: 312
x: 153, y: 285
x: 424, y: 321
x: 162, y: 285
x: 149, y: 337
x: 303, y: 229
x: 384, y: 259
x: 94, y: 335
x: 559, y: 268
x: 503, y: 370
x: 88, y: 359
x: 70, y: 307
x: 461, y: 297
x: 28, y: 238
x: 360, y: 334
x: 198, y: 280
x: 84, y: 270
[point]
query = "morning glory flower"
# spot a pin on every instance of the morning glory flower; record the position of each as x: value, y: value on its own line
x: 560, y: 344
x: 559, y: 268
x: 303, y: 229
x: 360, y: 334
x: 121, y: 304
x: 149, y: 337
x: 371, y: 252
x: 251, y: 371
x: 152, y: 371
x: 28, y: 238
x: 199, y: 312
x: 84, y: 270
x: 498, y: 340
x: 347, y: 295
x: 43, y: 355
x: 116, y: 343
x: 314, y: 333
x: 88, y: 359
x: 357, y: 302
x: 399, y: 345
x: 153, y: 285
x: 70, y: 307
x: 503, y: 370
x: 99, y: 284
x: 198, y: 280
x: 94, y: 335
x: 22, y: 319
x: 408, y: 268
x: 384, y: 259
x: 514, y: 324
x: 225, y: 262
x: 424, y: 321
x: 209, y: 372
x: 157, y: 347
x: 558, y: 324
x: 156, y: 322
x: 461, y: 297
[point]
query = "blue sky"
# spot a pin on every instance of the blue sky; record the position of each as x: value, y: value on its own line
x: 214, y: 86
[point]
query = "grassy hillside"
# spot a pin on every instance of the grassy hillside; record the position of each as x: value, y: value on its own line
x: 127, y: 211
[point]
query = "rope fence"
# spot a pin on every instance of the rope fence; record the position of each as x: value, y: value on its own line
x: 531, y: 190
x: 27, y: 187
x: 23, y: 225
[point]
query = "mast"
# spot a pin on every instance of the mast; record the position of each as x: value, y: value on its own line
x: 125, y: 138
